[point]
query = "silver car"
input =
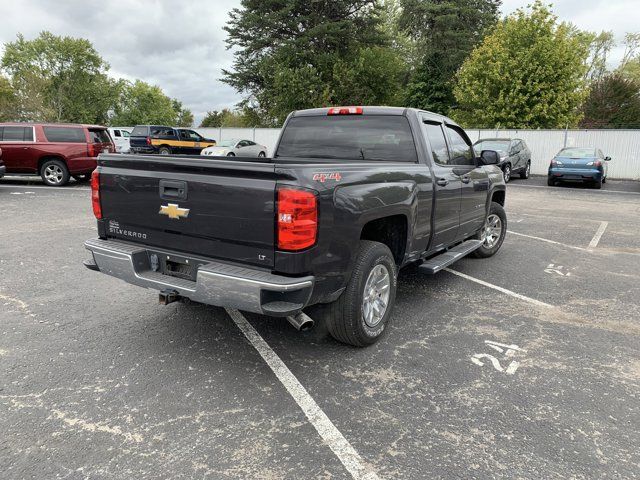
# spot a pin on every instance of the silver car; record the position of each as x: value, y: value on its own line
x: 236, y: 148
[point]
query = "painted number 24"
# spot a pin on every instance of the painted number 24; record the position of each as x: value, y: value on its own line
x: 508, y: 351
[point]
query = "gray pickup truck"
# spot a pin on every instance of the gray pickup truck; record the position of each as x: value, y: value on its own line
x: 350, y: 196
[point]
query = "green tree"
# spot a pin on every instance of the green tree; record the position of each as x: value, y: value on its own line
x: 444, y: 32
x: 141, y: 103
x: 212, y: 119
x: 529, y: 73
x: 8, y: 101
x: 60, y: 79
x: 184, y: 117
x: 285, y: 51
x: 613, y: 102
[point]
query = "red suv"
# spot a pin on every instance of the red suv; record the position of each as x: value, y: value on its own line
x: 56, y: 152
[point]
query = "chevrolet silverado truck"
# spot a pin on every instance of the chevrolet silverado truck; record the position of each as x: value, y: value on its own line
x: 350, y: 196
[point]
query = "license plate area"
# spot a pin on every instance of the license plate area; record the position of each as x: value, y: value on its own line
x: 174, y: 265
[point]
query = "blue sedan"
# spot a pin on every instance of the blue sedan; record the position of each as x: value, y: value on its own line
x: 579, y: 164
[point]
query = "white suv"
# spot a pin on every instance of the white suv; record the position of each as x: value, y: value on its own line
x: 120, y: 137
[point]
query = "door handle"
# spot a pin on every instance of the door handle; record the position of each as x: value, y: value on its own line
x: 465, y: 179
x: 443, y: 182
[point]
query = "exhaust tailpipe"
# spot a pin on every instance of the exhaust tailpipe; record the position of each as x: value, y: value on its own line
x: 301, y: 321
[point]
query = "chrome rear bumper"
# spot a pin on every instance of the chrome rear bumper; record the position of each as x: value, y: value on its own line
x: 217, y: 283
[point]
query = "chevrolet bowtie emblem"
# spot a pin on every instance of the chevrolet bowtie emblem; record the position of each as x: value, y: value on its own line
x: 172, y: 210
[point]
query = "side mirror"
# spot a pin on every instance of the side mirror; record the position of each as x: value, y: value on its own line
x: 607, y: 159
x: 490, y: 157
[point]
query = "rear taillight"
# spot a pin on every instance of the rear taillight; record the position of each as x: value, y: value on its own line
x: 345, y: 111
x: 92, y: 150
x: 148, y: 139
x: 297, y: 219
x: 95, y: 194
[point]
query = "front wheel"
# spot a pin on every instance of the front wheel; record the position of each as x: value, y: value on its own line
x: 362, y: 313
x: 262, y: 155
x: 231, y: 154
x: 506, y: 173
x: 550, y: 182
x: 598, y: 184
x: 493, y: 232
x: 526, y: 172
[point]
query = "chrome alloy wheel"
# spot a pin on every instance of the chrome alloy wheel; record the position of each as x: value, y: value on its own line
x: 53, y: 174
x: 375, y: 299
x: 507, y: 173
x: 492, y: 231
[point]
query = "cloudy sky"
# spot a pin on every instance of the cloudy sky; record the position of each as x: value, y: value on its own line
x: 179, y: 45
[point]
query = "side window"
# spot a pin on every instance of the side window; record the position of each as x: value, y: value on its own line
x: 117, y: 133
x: 65, y: 134
x: 195, y: 136
x: 28, y: 134
x: 439, y: 149
x: 125, y: 134
x: 241, y: 144
x: 13, y: 134
x: 461, y: 151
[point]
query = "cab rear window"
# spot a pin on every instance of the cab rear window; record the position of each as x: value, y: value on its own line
x: 349, y: 137
x: 140, y: 131
x: 65, y: 134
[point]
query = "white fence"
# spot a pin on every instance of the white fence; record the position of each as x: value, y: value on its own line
x: 623, y: 146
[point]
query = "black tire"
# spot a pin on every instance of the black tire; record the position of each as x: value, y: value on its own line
x: 262, y: 155
x: 164, y: 151
x: 344, y: 318
x: 231, y: 154
x: 54, y: 173
x: 506, y: 172
x: 524, y: 174
x: 597, y: 184
x: 488, y: 249
x: 551, y: 182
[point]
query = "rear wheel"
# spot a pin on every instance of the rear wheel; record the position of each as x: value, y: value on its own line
x: 55, y: 173
x: 164, y: 151
x: 262, y: 155
x: 361, y: 314
x: 526, y: 172
x: 493, y: 232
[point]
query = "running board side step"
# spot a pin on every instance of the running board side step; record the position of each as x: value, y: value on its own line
x: 439, y: 262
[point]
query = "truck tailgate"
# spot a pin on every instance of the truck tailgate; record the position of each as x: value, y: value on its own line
x: 209, y: 207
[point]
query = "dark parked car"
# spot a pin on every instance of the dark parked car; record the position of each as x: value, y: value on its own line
x: 583, y: 164
x: 165, y: 140
x: 54, y: 151
x: 351, y: 195
x: 515, y: 156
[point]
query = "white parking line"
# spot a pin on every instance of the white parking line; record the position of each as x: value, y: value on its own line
x: 596, y: 238
x: 533, y: 301
x: 574, y: 190
x: 43, y: 187
x: 547, y: 240
x: 323, y: 425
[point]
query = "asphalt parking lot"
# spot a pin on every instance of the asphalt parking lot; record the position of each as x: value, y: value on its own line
x: 524, y: 365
